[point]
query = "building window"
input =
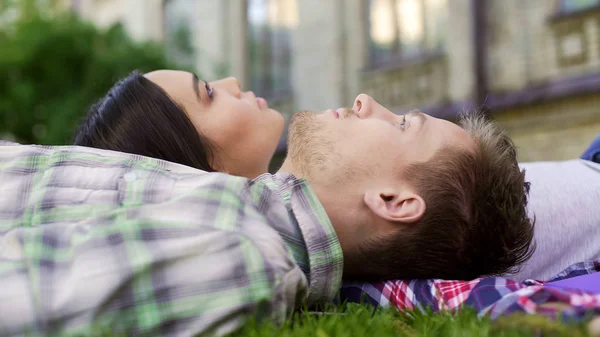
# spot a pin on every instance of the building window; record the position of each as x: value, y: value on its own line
x: 570, y: 6
x: 401, y: 29
x: 270, y: 28
x: 178, y: 31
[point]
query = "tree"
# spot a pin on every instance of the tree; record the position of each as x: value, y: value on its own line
x: 53, y: 67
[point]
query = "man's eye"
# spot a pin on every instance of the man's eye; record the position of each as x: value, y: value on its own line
x: 402, y: 124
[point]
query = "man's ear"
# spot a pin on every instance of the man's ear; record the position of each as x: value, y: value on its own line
x: 406, y: 207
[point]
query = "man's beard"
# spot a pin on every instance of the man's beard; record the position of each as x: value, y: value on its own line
x: 310, y: 148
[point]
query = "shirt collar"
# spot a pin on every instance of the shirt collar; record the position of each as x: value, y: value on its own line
x: 322, y: 244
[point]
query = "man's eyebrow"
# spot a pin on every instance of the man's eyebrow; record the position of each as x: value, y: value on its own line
x: 195, y: 84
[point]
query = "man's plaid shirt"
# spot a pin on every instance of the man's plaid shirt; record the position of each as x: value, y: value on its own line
x: 93, y: 240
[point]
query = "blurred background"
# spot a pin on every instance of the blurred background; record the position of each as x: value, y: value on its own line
x: 534, y: 65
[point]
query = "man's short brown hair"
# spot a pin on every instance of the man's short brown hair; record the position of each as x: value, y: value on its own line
x: 476, y: 222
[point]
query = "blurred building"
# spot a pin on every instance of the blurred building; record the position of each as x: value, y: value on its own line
x: 534, y: 64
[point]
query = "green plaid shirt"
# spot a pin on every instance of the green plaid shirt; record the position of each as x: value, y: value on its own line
x: 94, y: 240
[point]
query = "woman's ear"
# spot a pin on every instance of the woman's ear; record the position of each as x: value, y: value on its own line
x: 393, y: 206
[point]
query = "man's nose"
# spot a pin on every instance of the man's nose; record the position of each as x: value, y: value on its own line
x: 366, y: 107
x: 231, y: 85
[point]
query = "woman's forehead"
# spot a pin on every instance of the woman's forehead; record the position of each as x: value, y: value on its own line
x: 179, y: 85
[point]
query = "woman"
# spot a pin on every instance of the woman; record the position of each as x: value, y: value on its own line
x: 174, y: 116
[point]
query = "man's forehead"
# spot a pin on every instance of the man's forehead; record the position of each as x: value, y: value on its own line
x: 453, y: 135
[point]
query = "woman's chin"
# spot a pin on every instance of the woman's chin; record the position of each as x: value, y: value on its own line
x: 278, y: 115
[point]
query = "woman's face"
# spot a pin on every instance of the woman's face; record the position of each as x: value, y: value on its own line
x: 243, y: 129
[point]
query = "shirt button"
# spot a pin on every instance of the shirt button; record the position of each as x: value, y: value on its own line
x: 130, y: 176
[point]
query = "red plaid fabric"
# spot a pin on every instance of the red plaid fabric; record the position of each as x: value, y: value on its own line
x: 492, y: 296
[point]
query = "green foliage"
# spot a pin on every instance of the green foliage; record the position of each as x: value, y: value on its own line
x: 182, y: 39
x: 53, y: 67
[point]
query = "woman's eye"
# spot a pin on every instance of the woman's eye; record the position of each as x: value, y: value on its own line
x: 209, y: 91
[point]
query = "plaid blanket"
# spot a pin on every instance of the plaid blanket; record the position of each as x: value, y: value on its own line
x: 492, y: 296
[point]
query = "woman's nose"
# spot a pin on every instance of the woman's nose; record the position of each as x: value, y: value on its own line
x: 231, y: 84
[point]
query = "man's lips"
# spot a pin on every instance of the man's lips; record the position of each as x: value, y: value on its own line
x: 334, y: 113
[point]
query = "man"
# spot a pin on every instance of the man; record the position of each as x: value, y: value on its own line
x: 413, y: 196
x: 98, y: 240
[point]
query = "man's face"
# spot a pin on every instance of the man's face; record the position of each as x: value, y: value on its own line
x: 367, y: 141
x: 355, y: 160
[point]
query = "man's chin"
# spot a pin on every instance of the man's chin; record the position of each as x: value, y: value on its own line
x: 301, y: 116
x: 302, y: 124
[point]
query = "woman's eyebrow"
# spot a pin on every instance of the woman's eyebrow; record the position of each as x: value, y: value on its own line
x: 196, y: 87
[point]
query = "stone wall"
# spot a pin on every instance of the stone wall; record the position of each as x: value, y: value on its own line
x: 530, y: 44
x: 558, y: 130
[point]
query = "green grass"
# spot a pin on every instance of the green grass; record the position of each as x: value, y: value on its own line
x: 364, y: 321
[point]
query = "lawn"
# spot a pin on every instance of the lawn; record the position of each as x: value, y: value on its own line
x: 364, y: 321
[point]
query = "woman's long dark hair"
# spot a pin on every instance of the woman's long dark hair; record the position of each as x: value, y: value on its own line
x: 137, y: 116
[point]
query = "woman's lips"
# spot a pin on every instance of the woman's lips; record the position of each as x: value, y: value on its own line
x: 262, y: 103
